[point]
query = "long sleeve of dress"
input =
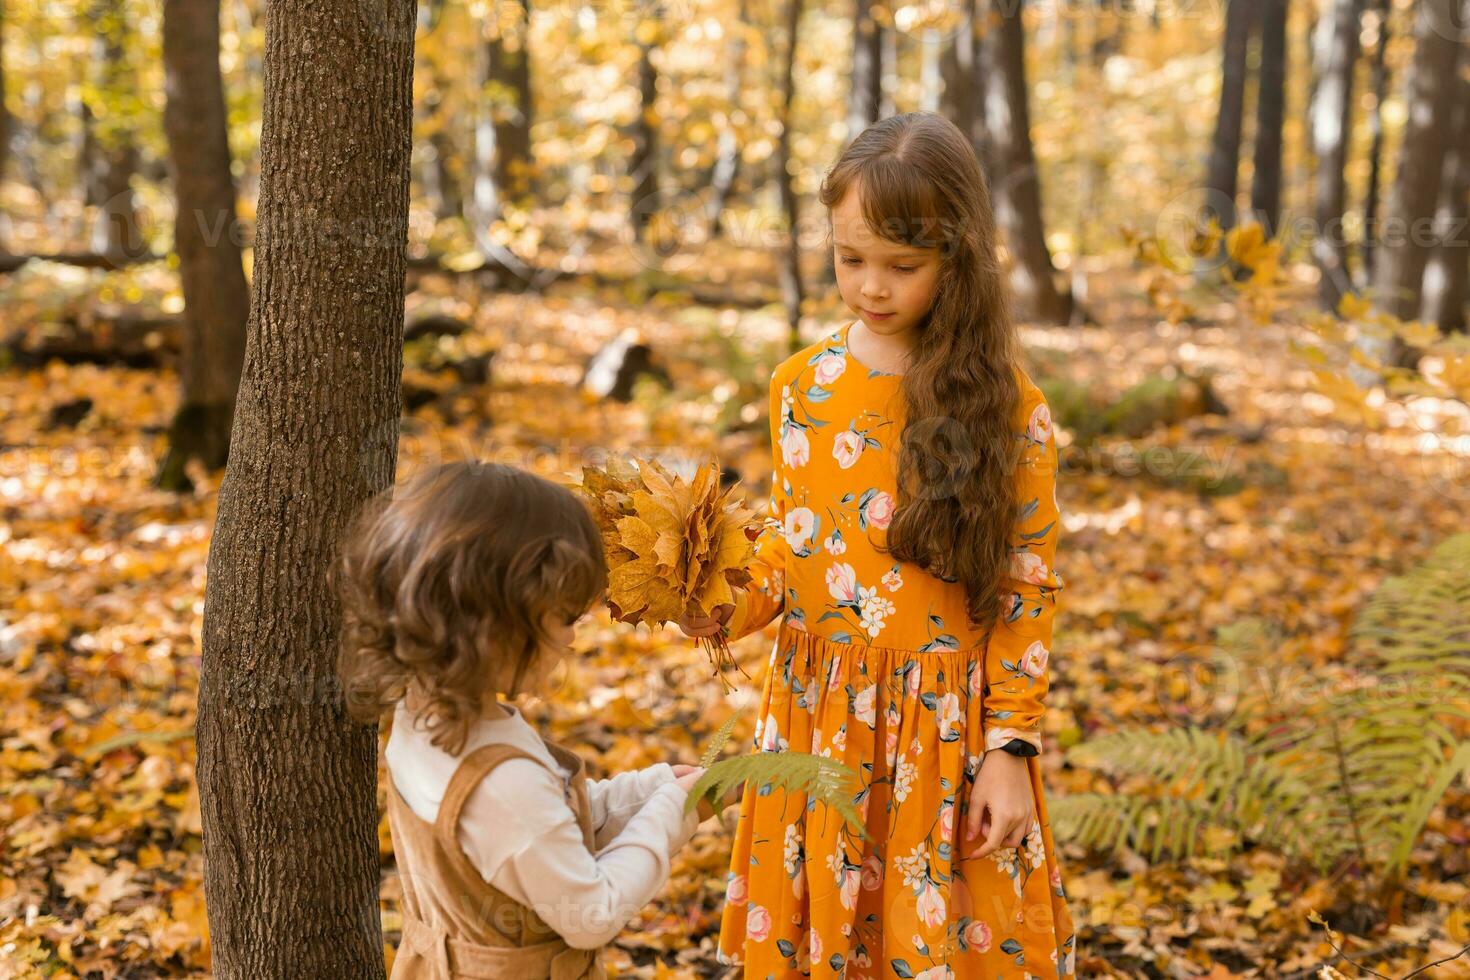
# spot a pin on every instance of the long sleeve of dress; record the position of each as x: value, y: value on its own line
x: 1016, y: 669
x: 523, y: 838
x: 616, y: 799
x: 760, y: 602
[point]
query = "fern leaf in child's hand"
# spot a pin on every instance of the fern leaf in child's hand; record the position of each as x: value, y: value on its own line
x: 675, y: 550
x: 819, y: 777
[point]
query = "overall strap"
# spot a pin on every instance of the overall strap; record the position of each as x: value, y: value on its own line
x: 474, y: 767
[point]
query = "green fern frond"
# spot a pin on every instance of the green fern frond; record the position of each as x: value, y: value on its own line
x: 1329, y: 777
x: 824, y: 779
x: 1154, y: 826
x: 718, y: 740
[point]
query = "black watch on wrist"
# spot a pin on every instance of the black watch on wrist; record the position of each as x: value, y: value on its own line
x: 1021, y: 747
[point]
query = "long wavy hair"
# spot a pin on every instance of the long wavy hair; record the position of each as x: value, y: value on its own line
x: 920, y: 185
x: 445, y: 582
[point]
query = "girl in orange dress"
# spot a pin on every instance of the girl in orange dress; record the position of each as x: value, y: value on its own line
x: 910, y: 553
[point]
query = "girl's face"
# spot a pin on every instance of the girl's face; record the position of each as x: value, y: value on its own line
x: 876, y: 276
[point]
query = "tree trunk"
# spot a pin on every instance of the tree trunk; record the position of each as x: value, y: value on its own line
x: 1331, y: 120
x: 1379, y: 77
x: 1449, y: 263
x: 888, y: 71
x: 206, y: 237
x: 4, y: 109
x: 865, y: 98
x: 790, y: 265
x: 287, y: 781
x: 110, y: 154
x: 432, y: 132
x: 1015, y: 184
x: 1408, y: 230
x: 1415, y: 190
x: 965, y: 82
x: 957, y: 70
x: 643, y: 162
x: 1220, y: 178
x: 1270, y: 111
x: 727, y: 155
x: 510, y: 78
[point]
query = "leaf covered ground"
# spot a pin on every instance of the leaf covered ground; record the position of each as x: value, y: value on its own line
x: 102, y: 585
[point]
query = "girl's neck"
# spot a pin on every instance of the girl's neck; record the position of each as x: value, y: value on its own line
x: 491, y: 710
x: 888, y: 354
x: 495, y: 711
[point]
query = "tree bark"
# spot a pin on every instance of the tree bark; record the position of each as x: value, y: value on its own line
x: 1015, y: 184
x: 1379, y: 78
x: 792, y: 292
x: 4, y: 109
x: 865, y: 98
x: 110, y: 155
x: 1330, y: 121
x: 1221, y: 171
x: 1408, y: 230
x: 1415, y: 190
x: 643, y: 161
x: 1445, y: 276
x: 206, y: 237
x: 727, y: 154
x: 1270, y: 113
x: 510, y: 78
x: 287, y: 780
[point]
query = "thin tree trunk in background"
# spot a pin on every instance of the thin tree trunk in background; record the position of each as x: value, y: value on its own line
x: 287, y: 781
x: 957, y: 68
x: 1445, y: 276
x: 865, y: 98
x: 206, y: 237
x: 510, y: 79
x: 1431, y: 88
x: 111, y: 155
x: 1368, y: 261
x: 239, y: 11
x: 1270, y: 113
x: 792, y: 293
x: 1330, y: 120
x: 643, y: 161
x: 4, y: 110
x: 888, y: 71
x: 1017, y: 191
x: 727, y: 153
x: 431, y: 128
x: 1222, y: 168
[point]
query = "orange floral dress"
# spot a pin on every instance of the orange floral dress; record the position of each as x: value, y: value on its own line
x: 875, y: 664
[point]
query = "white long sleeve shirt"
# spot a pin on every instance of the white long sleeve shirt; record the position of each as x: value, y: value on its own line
x: 518, y: 831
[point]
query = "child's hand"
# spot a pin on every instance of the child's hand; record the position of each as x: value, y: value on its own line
x: 687, y: 780
x: 707, y: 625
x: 733, y: 796
x: 1003, y: 788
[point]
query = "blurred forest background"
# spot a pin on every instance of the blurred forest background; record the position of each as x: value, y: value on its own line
x: 1236, y: 236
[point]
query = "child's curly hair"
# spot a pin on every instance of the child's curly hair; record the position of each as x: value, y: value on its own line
x: 445, y: 582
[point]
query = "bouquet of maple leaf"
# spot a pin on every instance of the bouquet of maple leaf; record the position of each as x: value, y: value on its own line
x: 674, y: 548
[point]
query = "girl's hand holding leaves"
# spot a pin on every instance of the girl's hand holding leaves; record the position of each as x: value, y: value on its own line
x: 675, y: 551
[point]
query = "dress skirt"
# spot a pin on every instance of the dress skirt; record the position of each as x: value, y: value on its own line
x: 806, y: 895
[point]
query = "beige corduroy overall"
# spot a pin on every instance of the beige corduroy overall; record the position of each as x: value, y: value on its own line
x: 456, y: 925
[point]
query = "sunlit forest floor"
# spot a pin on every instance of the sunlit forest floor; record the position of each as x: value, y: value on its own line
x: 102, y: 585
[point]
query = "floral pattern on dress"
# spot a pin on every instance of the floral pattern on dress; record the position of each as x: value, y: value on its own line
x: 877, y: 664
